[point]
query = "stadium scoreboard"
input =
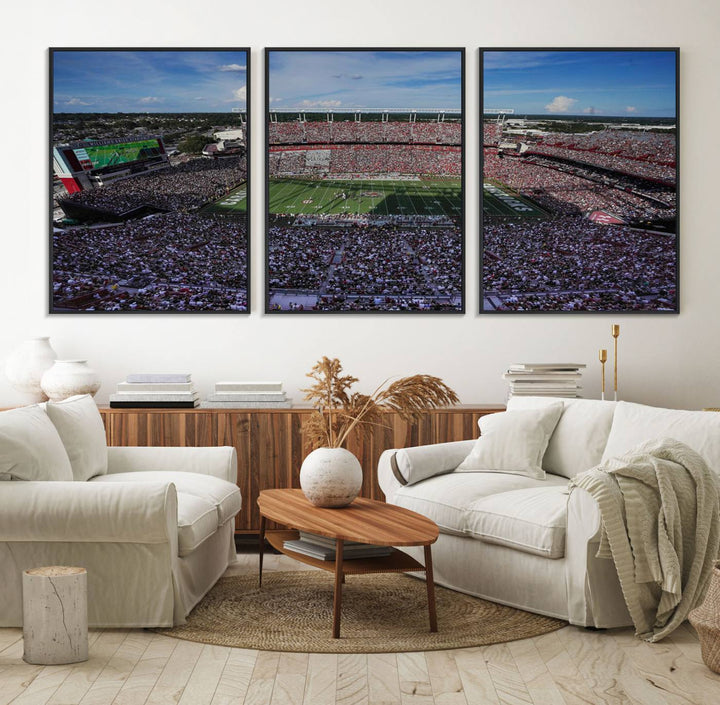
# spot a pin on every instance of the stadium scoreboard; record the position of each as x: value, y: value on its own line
x: 88, y: 164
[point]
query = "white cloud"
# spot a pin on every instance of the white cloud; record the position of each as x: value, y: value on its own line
x: 275, y: 100
x: 76, y: 101
x: 240, y: 93
x: 232, y: 67
x: 319, y: 104
x: 150, y: 99
x: 560, y: 104
x: 631, y: 109
x: 589, y: 111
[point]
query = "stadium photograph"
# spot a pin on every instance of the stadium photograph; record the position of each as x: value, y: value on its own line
x: 149, y: 204
x: 364, y: 180
x: 579, y: 180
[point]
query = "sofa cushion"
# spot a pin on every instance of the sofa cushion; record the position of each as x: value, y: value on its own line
x: 421, y: 462
x: 30, y: 447
x: 446, y: 499
x: 223, y: 495
x: 580, y: 437
x: 197, y: 521
x: 81, y: 429
x: 634, y: 424
x: 513, y: 442
x: 532, y: 520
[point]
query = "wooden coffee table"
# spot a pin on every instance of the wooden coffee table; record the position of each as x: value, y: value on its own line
x: 365, y: 520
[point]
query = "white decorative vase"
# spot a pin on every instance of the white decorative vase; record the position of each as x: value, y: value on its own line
x: 26, y: 366
x: 66, y: 378
x: 331, y: 477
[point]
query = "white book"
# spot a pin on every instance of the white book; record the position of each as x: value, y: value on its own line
x: 248, y: 396
x: 152, y: 396
x: 246, y: 404
x: 160, y: 377
x: 559, y: 366
x: 132, y: 387
x: 546, y: 376
x: 248, y: 387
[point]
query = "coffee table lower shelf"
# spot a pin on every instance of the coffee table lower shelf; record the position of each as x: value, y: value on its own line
x: 396, y: 562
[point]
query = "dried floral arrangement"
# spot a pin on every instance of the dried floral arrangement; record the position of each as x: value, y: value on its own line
x: 338, y: 410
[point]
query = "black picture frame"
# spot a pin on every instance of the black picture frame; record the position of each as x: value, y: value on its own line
x: 600, y: 195
x: 136, y: 225
x: 308, y: 272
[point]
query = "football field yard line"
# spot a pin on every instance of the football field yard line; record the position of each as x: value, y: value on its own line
x: 430, y: 197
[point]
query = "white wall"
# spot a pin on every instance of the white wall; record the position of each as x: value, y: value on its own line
x: 666, y: 360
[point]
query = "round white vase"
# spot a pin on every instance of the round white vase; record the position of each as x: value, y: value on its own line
x: 331, y: 477
x: 66, y: 378
x: 26, y: 365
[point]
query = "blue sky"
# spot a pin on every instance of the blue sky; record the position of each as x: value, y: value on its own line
x: 611, y: 83
x: 149, y: 81
x: 327, y: 80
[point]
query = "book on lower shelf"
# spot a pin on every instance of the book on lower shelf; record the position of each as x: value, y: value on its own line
x: 351, y: 549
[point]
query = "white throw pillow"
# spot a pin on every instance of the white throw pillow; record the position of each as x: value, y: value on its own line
x: 634, y: 424
x: 579, y: 439
x: 80, y: 426
x: 513, y: 442
x: 30, y: 447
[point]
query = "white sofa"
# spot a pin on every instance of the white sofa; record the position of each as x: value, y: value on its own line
x: 527, y: 541
x: 154, y: 527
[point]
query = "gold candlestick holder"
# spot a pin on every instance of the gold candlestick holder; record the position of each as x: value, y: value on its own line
x: 603, y: 360
x: 615, y: 330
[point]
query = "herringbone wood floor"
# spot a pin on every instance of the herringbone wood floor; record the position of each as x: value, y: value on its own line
x: 570, y: 666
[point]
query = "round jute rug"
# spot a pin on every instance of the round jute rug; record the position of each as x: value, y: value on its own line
x: 380, y: 613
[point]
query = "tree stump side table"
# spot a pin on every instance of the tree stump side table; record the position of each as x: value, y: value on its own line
x: 55, y: 624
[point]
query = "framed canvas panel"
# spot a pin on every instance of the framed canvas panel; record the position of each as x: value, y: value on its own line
x: 365, y: 180
x: 149, y: 152
x: 579, y: 180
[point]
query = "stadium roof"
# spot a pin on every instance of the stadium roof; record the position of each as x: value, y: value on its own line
x: 366, y: 110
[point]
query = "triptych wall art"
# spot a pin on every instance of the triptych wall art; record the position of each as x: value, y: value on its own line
x: 365, y: 180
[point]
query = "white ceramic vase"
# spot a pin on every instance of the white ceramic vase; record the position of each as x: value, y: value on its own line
x: 27, y: 364
x: 66, y: 378
x: 331, y: 477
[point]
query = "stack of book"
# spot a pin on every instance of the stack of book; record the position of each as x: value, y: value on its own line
x: 544, y: 379
x: 156, y: 391
x: 323, y: 548
x: 247, y: 395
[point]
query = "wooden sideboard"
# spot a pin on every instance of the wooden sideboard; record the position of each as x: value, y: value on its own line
x: 270, y: 443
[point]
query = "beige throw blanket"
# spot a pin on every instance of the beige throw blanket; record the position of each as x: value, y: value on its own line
x: 659, y: 508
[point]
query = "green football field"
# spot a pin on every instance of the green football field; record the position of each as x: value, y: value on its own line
x: 309, y: 197
x: 234, y: 202
x: 501, y: 200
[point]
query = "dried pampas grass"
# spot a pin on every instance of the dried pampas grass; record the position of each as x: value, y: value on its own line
x: 338, y: 410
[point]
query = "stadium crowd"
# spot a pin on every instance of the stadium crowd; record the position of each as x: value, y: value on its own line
x: 162, y: 262
x: 573, y: 264
x: 572, y: 190
x: 373, y: 131
x: 376, y: 261
x: 182, y: 188
x: 370, y: 159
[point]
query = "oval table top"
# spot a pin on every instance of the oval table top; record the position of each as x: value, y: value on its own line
x: 364, y: 520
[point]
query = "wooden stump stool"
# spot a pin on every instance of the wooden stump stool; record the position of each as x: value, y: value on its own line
x: 55, y: 615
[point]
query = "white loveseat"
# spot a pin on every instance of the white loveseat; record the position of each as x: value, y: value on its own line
x: 154, y: 527
x: 529, y: 542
